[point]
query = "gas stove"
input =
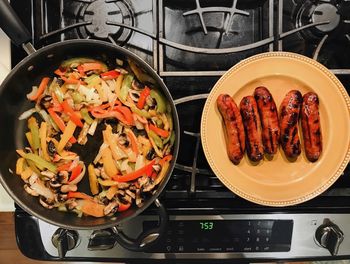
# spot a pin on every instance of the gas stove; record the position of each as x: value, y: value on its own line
x: 190, y: 44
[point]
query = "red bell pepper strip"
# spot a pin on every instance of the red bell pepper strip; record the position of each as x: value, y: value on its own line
x: 75, y: 172
x: 146, y: 170
x: 64, y: 167
x: 165, y: 159
x: 70, y: 112
x: 110, y: 75
x: 70, y: 80
x: 123, y: 207
x: 60, y: 72
x: 142, y: 100
x: 60, y: 123
x: 126, y: 113
x: 43, y: 84
x: 79, y: 195
x: 107, y: 114
x: 90, y: 66
x: 81, y: 71
x: 160, y: 132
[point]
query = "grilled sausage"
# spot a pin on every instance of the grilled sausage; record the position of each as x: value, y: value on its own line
x: 235, y: 138
x: 289, y: 116
x: 311, y: 126
x: 269, y: 119
x: 251, y: 122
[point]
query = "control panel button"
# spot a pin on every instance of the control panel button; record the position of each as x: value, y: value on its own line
x: 101, y: 240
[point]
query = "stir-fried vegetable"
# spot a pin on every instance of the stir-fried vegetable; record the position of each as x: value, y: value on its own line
x: 137, y: 132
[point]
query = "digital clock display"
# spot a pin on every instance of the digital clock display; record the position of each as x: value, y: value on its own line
x: 206, y: 225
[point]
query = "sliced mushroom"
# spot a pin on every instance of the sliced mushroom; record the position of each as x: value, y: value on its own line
x: 51, y: 148
x: 69, y: 188
x: 46, y: 101
x: 156, y: 167
x: 61, y: 197
x: 121, y: 192
x: 104, y: 174
x: 45, y: 203
x: 122, y: 140
x: 30, y: 190
x: 126, y: 199
x: 135, y: 95
x: 137, y: 85
x: 110, y: 208
x: 37, y: 185
x: 144, y: 180
x: 63, y: 177
x: 97, y: 171
x: 148, y: 187
x: 130, y: 193
x: 54, y: 183
x: 139, y: 200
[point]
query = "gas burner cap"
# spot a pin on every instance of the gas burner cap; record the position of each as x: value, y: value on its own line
x: 326, y: 12
x: 102, y: 13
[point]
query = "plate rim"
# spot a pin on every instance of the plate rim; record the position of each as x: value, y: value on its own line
x: 281, y: 54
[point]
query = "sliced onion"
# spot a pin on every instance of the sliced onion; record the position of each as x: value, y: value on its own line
x: 33, y: 92
x: 92, y: 128
x: 27, y: 113
x: 140, y: 162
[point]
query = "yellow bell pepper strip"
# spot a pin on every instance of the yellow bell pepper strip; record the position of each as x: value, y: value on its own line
x: 118, y: 85
x: 160, y: 132
x: 79, y: 195
x: 75, y: 172
x: 39, y: 161
x: 34, y: 130
x: 107, y: 183
x: 26, y: 173
x: 146, y: 170
x: 123, y: 207
x: 60, y: 123
x: 161, y: 103
x: 67, y: 134
x: 110, y: 75
x: 85, y: 114
x: 93, y: 180
x: 133, y: 141
x: 156, y: 139
x: 43, y: 84
x: 162, y: 172
x: 92, y: 208
x: 43, y: 143
x: 142, y: 99
x: 111, y: 192
x: 70, y: 112
x: 91, y: 66
x: 108, y: 163
x: 139, y: 112
x: 29, y: 139
x: 20, y: 166
x: 126, y: 85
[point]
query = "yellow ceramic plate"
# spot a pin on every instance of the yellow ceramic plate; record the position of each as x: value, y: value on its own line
x: 279, y: 182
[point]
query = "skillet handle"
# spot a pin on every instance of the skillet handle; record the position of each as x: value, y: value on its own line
x: 12, y: 25
x: 147, y: 238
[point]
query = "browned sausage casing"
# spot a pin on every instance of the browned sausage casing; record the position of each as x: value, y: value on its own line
x: 311, y: 126
x: 235, y: 138
x: 269, y: 119
x: 251, y: 122
x: 289, y: 116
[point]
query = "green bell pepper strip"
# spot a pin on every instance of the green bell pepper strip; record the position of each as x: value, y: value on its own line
x: 126, y: 85
x: 58, y: 93
x: 92, y: 80
x: 157, y: 140
x: 161, y: 103
x: 77, y: 97
x: 142, y: 112
x: 40, y: 162
x: 172, y: 139
x: 34, y: 130
x: 85, y: 114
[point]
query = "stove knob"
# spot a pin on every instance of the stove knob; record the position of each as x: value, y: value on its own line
x: 101, y: 240
x: 329, y: 235
x: 64, y: 240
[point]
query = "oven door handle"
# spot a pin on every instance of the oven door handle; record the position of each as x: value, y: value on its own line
x: 147, y: 238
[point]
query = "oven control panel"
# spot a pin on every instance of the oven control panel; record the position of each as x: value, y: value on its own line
x: 210, y: 236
